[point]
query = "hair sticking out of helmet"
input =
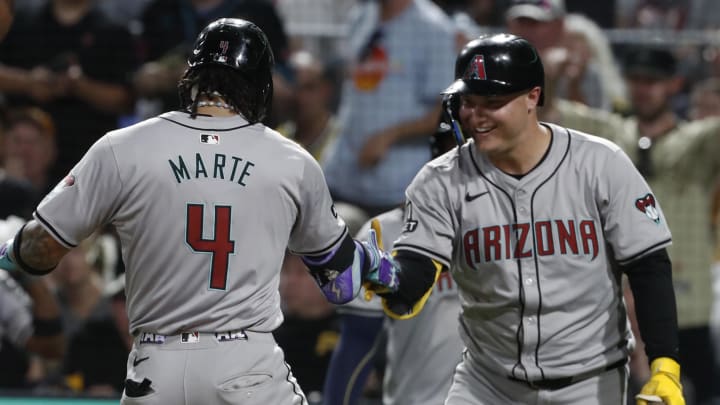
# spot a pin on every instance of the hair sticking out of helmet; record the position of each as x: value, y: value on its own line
x: 231, y: 57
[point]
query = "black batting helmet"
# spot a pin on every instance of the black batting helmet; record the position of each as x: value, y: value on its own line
x: 237, y: 46
x: 496, y: 65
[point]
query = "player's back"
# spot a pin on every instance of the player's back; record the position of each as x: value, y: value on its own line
x: 205, y: 213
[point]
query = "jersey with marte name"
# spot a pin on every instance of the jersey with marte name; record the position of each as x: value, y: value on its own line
x: 204, y: 209
x: 535, y: 258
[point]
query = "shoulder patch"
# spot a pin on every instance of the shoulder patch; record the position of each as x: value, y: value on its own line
x: 646, y: 205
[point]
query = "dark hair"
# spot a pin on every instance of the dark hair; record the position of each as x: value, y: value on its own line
x: 252, y: 97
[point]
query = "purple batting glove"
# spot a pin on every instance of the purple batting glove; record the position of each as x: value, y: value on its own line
x: 380, y: 271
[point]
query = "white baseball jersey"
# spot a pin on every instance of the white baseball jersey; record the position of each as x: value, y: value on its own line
x: 431, y: 338
x: 534, y: 258
x: 204, y: 209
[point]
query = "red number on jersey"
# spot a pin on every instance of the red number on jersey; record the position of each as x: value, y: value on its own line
x: 221, y: 246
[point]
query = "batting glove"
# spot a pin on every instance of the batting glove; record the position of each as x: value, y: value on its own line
x: 380, y: 272
x: 5, y: 261
x: 664, y: 383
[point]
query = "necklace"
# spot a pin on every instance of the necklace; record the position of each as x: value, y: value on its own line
x: 218, y: 104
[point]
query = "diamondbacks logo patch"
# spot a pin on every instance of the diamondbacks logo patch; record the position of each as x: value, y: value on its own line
x: 647, y: 206
x: 210, y: 139
x: 476, y: 69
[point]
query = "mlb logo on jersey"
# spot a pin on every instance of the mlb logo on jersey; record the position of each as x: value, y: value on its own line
x: 210, y: 139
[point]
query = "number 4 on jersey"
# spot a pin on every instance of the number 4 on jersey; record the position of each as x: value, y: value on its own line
x: 221, y: 246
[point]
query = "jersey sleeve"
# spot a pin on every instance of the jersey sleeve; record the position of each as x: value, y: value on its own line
x: 318, y: 228
x: 428, y: 228
x: 85, y: 199
x: 633, y: 221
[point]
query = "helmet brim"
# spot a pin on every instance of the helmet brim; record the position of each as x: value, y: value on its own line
x: 457, y: 87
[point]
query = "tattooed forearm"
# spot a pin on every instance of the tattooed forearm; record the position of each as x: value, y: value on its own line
x: 38, y: 249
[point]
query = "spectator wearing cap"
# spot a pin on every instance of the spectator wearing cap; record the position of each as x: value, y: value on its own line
x: 679, y: 160
x: 543, y: 23
x: 650, y: 74
x: 30, y: 147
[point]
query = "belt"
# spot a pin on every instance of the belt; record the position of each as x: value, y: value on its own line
x: 190, y: 337
x: 562, y: 382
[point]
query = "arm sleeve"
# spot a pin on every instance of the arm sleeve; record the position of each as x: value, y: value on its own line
x: 416, y: 279
x: 651, y: 282
x: 352, y: 359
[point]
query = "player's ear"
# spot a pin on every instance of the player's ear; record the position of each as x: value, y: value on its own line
x: 532, y: 99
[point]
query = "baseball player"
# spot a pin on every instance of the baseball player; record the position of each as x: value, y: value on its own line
x: 536, y: 223
x: 205, y: 202
x: 431, y: 338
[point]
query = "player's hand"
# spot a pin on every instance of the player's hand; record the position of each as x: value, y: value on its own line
x: 664, y: 383
x: 375, y: 149
x: 380, y: 275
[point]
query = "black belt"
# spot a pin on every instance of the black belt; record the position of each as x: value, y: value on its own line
x: 562, y: 382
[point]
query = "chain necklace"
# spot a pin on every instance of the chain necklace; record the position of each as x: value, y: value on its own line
x: 218, y: 104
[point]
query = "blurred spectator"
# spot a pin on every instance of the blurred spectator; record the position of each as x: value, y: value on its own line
x: 7, y: 13
x: 67, y: 58
x: 29, y: 320
x: 705, y: 99
x: 603, y: 13
x: 475, y: 17
x: 313, y: 124
x: 542, y: 22
x: 715, y: 312
x: 79, y: 286
x: 588, y: 48
x: 30, y: 148
x: 107, y: 338
x: 169, y: 29
x: 310, y: 330
x: 653, y: 14
x: 315, y: 25
x: 401, y: 58
x: 679, y: 161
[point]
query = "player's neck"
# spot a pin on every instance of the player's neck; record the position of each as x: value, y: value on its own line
x: 215, y: 107
x: 527, y: 154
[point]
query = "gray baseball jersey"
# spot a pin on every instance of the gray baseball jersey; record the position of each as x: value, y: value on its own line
x: 204, y: 209
x: 16, y: 320
x: 534, y: 258
x: 429, y: 343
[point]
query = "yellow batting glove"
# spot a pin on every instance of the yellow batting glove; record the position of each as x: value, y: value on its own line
x: 664, y: 383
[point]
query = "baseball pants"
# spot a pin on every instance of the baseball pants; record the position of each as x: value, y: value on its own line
x: 475, y: 385
x: 205, y: 368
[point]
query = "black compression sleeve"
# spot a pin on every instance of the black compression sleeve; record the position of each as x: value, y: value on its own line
x: 651, y: 283
x: 416, y: 277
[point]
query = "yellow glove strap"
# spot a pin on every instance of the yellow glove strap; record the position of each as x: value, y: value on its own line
x: 666, y: 365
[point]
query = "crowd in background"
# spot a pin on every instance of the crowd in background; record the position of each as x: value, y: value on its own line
x: 357, y: 82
